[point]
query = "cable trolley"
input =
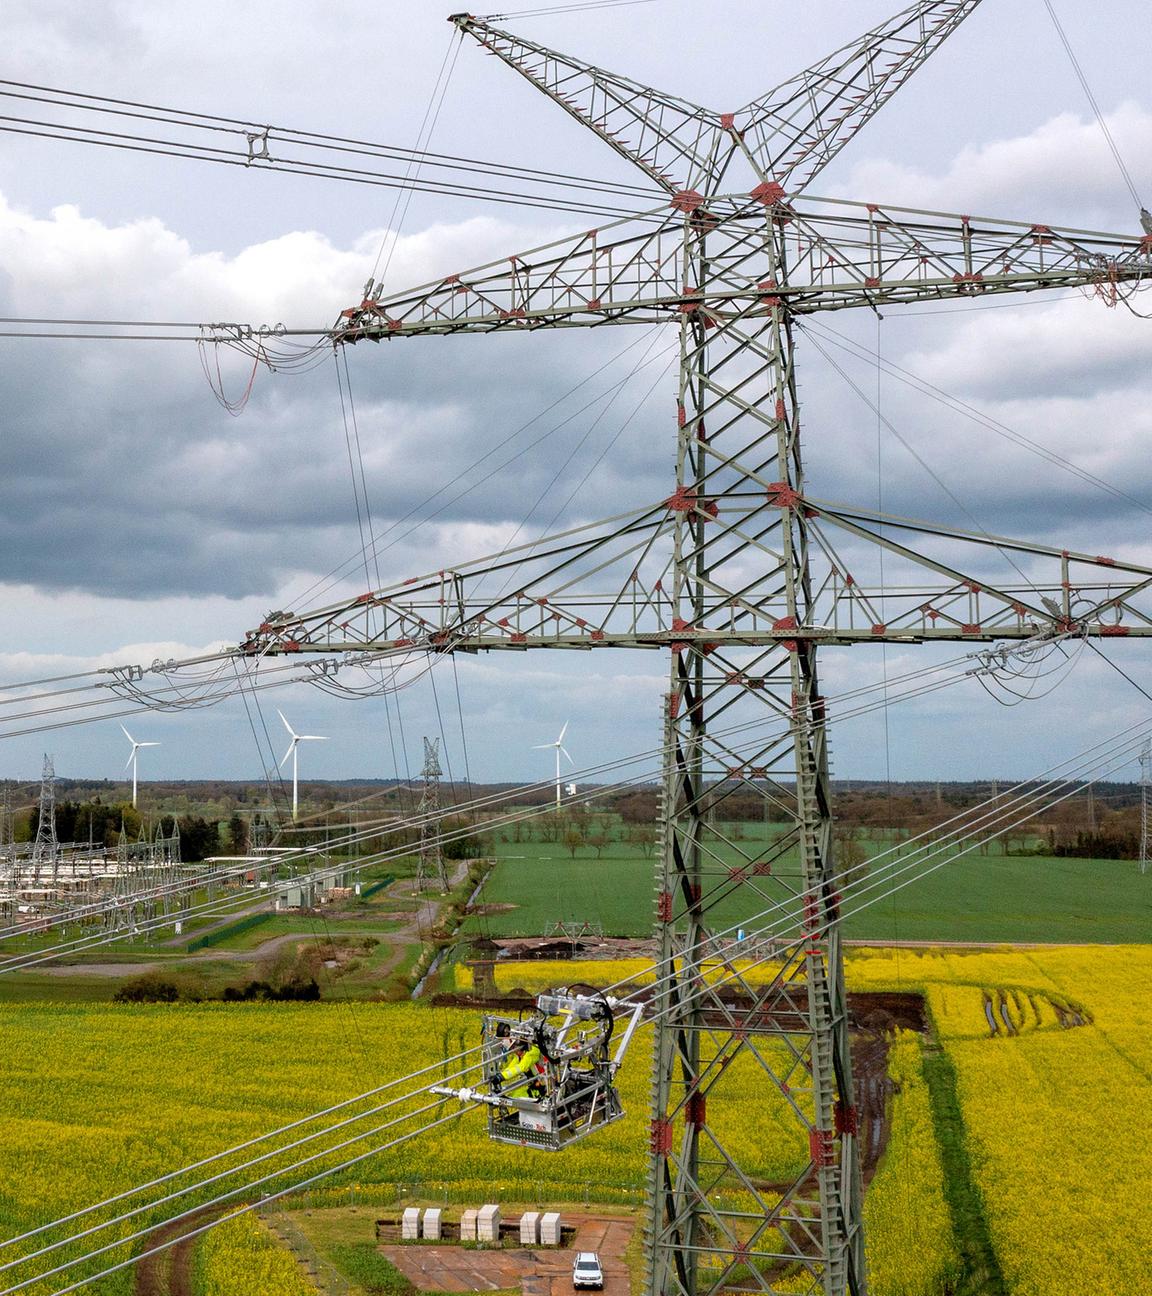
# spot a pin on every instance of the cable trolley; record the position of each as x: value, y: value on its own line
x: 549, y: 1079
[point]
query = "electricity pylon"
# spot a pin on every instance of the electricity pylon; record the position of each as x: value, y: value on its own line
x: 431, y: 860
x: 737, y: 575
x: 1145, y: 783
x: 46, y: 849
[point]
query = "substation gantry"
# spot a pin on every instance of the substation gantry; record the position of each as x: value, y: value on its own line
x: 740, y: 575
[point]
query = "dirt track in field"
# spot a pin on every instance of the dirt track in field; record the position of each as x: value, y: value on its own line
x: 169, y: 1272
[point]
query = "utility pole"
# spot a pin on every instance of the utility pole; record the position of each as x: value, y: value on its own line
x: 738, y: 577
x: 431, y: 861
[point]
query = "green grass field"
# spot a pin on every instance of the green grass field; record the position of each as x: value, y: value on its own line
x: 306, y: 926
x: 993, y: 897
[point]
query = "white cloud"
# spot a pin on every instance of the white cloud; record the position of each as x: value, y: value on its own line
x: 1060, y: 173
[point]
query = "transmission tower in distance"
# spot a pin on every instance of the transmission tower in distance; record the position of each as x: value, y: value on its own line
x: 1145, y: 783
x: 741, y: 576
x: 46, y: 849
x: 431, y: 869
x: 7, y: 825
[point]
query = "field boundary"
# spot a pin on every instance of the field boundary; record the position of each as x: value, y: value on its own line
x: 982, y: 1273
x: 221, y: 934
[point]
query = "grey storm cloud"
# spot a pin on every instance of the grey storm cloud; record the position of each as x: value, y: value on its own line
x: 136, y: 513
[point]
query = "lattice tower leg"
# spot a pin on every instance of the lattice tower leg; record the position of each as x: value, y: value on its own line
x: 431, y: 867
x: 740, y: 539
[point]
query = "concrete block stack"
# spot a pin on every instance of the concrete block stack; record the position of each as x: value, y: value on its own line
x: 433, y: 1228
x: 550, y: 1229
x: 410, y: 1224
x: 530, y: 1228
x: 468, y: 1225
x: 488, y: 1224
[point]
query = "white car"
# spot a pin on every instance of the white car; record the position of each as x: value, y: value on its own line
x: 586, y: 1271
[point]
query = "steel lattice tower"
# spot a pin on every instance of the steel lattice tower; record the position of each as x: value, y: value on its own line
x: 431, y: 863
x: 7, y: 827
x: 737, y: 575
x: 46, y: 849
x: 1145, y: 783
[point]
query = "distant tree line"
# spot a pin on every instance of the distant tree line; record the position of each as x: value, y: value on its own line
x: 102, y: 823
x: 154, y: 987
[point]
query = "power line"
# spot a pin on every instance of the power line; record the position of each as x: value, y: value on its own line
x: 233, y: 125
x: 160, y: 148
x: 956, y: 403
x: 1125, y: 174
x: 1001, y: 817
x: 554, y: 190
x: 915, y: 684
x: 544, y: 12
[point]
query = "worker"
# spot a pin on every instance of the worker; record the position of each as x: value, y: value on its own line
x: 523, y: 1063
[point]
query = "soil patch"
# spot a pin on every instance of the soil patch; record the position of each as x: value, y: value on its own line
x: 536, y: 1271
x: 874, y: 1011
x: 169, y: 1272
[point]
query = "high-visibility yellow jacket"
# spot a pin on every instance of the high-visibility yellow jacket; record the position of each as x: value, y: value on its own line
x: 522, y: 1064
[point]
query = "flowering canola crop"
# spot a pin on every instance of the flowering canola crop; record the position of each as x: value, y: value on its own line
x: 240, y: 1258
x: 100, y: 1097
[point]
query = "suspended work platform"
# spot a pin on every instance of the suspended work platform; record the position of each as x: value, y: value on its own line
x: 549, y: 1079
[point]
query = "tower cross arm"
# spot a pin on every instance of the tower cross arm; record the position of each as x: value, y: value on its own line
x: 627, y: 272
x: 791, y: 134
x: 676, y: 143
x: 844, y: 254
x: 839, y: 255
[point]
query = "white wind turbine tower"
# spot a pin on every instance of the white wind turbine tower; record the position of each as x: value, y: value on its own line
x: 297, y: 739
x: 132, y: 759
x: 558, y: 747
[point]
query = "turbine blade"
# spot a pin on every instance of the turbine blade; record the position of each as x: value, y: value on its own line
x: 291, y: 749
x: 286, y: 724
x: 570, y: 760
x: 313, y: 738
x: 148, y: 744
x: 127, y: 734
x: 563, y: 732
x: 128, y: 762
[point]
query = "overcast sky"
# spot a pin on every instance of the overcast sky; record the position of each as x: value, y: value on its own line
x: 139, y: 519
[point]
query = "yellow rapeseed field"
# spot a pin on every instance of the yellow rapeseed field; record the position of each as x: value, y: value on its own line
x: 910, y: 1242
x: 1058, y: 1118
x: 98, y: 1098
x: 240, y: 1258
x: 1057, y: 1114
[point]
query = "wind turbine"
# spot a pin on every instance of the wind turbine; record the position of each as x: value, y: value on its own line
x: 297, y: 739
x: 132, y: 759
x: 558, y: 746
